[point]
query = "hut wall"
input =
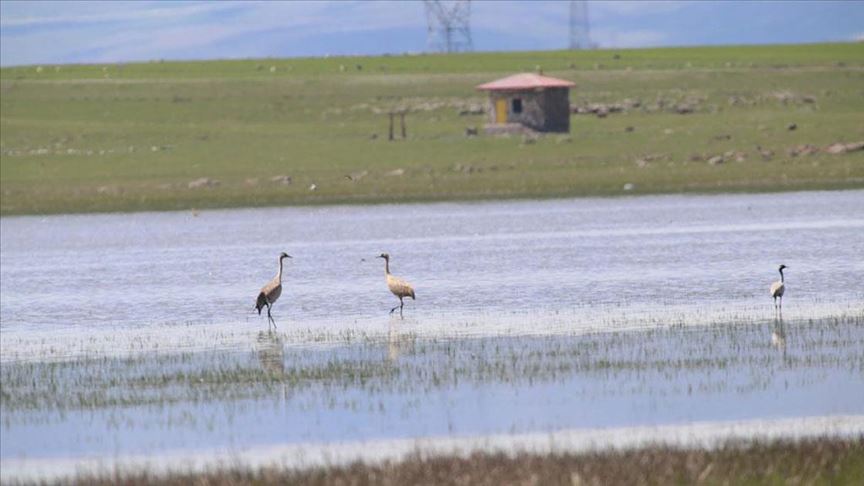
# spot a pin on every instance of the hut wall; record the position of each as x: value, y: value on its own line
x: 545, y: 110
x: 531, y: 115
x: 556, y: 106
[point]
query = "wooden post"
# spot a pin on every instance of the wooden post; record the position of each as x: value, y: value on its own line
x: 402, y: 123
x: 390, y: 131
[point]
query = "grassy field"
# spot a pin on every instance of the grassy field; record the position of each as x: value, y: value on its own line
x: 814, y: 461
x: 115, y: 137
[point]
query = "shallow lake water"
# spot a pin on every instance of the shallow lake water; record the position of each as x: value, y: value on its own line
x: 134, y: 335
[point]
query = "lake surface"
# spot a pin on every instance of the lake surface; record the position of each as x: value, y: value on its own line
x: 134, y: 335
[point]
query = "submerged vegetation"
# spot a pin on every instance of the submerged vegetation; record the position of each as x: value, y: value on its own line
x: 179, y: 135
x: 720, y: 360
x: 301, y: 390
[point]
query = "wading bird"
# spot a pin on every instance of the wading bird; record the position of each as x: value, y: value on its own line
x: 777, y: 289
x: 271, y: 292
x: 399, y: 287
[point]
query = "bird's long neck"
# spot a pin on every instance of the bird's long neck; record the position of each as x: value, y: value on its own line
x: 781, y: 275
x: 279, y: 274
x: 386, y: 266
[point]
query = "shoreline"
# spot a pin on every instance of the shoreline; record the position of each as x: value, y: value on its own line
x: 337, y: 202
x: 704, y: 436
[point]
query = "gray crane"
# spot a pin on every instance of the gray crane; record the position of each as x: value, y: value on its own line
x: 271, y: 292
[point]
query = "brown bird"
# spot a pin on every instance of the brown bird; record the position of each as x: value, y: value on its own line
x: 270, y: 292
x: 399, y: 287
x: 777, y: 289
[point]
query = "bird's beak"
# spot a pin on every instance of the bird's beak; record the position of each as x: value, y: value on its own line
x: 287, y: 255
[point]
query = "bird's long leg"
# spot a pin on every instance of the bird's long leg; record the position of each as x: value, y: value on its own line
x: 401, y: 305
x: 397, y: 307
x: 270, y: 317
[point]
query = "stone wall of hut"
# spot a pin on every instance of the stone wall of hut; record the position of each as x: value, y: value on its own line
x: 546, y: 110
x: 556, y: 106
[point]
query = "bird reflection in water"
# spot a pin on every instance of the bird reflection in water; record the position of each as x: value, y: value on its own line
x: 398, y: 343
x: 778, y: 336
x: 271, y: 353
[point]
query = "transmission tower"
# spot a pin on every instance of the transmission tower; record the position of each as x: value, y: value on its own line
x: 580, y: 35
x: 449, y: 28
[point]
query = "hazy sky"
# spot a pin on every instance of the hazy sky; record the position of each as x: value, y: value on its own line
x: 44, y: 32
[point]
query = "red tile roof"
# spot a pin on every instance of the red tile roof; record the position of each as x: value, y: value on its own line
x: 525, y: 81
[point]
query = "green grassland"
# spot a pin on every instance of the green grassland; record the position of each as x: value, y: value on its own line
x: 84, y: 138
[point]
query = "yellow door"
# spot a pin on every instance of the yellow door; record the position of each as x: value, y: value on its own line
x: 500, y: 111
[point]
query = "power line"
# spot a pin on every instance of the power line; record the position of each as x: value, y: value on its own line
x: 580, y: 31
x: 448, y: 25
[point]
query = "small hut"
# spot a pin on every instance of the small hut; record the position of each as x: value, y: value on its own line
x: 528, y: 100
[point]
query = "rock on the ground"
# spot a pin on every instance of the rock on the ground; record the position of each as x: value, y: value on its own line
x: 683, y: 109
x: 281, y: 179
x: 356, y: 176
x: 203, y: 182
x: 842, y: 148
x: 805, y: 149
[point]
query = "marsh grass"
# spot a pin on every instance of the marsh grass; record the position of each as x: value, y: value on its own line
x: 553, y: 382
x: 819, y: 461
x: 723, y: 359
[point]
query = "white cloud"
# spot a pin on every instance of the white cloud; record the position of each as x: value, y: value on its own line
x: 142, y: 31
x: 88, y: 31
x: 77, y: 13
